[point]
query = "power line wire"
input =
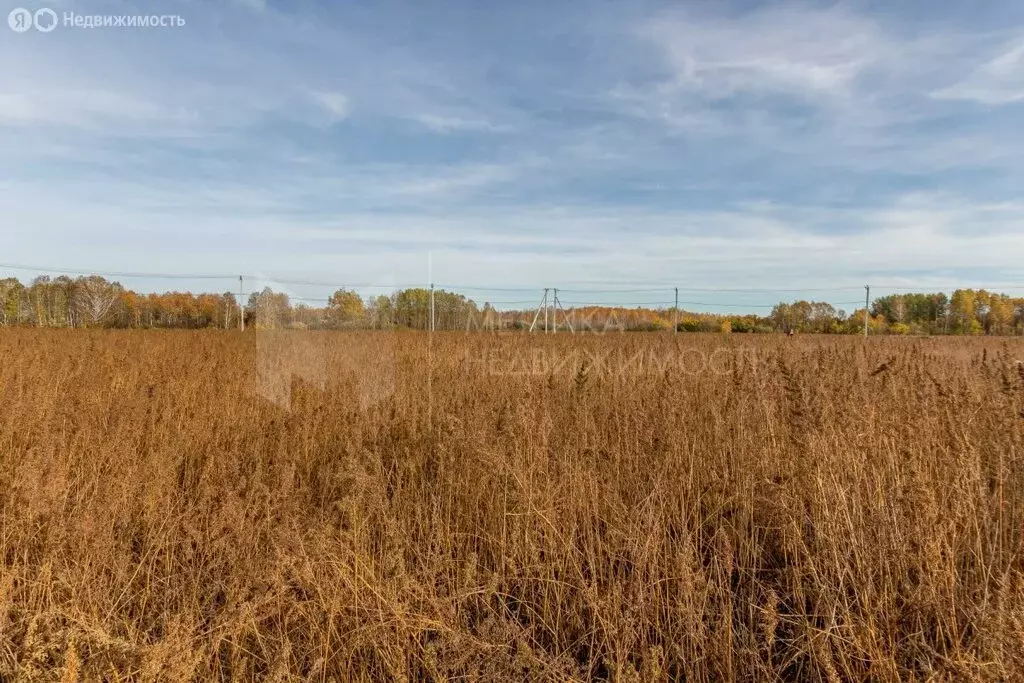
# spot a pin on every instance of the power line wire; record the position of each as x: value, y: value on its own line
x: 475, y: 288
x: 709, y: 289
x: 478, y: 288
x: 329, y: 285
x: 155, y: 276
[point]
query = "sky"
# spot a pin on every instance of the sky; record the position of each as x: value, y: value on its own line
x: 745, y: 153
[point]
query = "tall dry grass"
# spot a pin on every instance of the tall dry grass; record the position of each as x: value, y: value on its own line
x: 632, y: 508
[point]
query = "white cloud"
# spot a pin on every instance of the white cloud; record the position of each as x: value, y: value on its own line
x: 996, y: 82
x: 448, y: 124
x: 802, y: 92
x: 87, y: 108
x: 809, y: 53
x: 335, y: 104
x: 479, y: 242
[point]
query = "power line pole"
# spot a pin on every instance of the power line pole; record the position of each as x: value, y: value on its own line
x: 431, y: 306
x: 554, y: 312
x: 545, y: 310
x: 557, y: 306
x: 544, y: 305
x: 867, y: 298
x: 241, y: 308
x: 675, y: 318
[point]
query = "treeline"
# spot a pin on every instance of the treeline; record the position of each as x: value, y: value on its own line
x: 93, y: 301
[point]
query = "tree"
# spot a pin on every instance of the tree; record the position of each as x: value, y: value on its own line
x: 918, y: 311
x: 822, y: 317
x: 130, y: 310
x: 380, y: 312
x: 94, y: 299
x: 963, y: 311
x: 345, y: 307
x: 268, y: 309
x: 412, y: 308
x: 782, y: 317
x: 11, y: 291
x: 229, y: 309
x: 802, y: 316
x: 62, y: 305
x: 999, y: 316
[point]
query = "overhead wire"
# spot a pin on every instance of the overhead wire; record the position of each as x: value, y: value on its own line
x: 607, y: 302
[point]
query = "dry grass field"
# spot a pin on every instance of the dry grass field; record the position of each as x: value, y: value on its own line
x: 176, y: 506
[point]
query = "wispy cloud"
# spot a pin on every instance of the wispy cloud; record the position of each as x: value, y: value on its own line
x: 86, y: 108
x: 807, y: 53
x: 998, y: 81
x: 448, y: 124
x: 335, y: 104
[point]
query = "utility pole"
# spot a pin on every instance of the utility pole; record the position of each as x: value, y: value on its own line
x: 431, y: 306
x: 554, y: 311
x: 565, y: 316
x: 545, y: 310
x: 544, y: 305
x: 867, y: 299
x: 675, y: 318
x: 241, y: 307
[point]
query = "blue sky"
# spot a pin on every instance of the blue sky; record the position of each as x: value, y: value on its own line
x: 586, y: 145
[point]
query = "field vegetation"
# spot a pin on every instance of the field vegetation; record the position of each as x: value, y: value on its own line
x: 385, y: 505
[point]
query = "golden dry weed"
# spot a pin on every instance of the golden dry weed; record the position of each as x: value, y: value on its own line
x: 510, y: 507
